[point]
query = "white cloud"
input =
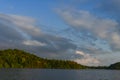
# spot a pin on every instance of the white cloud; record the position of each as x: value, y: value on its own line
x: 22, y: 24
x: 80, y: 53
x: 87, y: 59
x: 102, y: 28
x: 84, y: 19
x: 33, y: 43
x: 26, y: 23
x: 115, y: 38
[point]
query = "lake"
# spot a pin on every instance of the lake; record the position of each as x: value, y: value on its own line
x: 58, y: 74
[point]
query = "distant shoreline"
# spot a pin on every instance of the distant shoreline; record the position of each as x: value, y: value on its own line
x: 14, y: 58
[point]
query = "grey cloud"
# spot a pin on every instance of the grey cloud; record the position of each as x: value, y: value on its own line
x: 22, y: 33
x: 56, y: 45
x: 9, y: 33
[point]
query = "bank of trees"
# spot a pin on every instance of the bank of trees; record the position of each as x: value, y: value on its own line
x: 115, y: 66
x: 14, y: 58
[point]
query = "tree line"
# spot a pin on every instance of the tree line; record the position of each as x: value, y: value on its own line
x: 14, y: 58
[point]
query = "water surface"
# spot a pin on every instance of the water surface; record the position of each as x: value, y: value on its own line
x: 57, y: 74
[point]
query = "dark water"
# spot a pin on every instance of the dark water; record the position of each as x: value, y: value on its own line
x: 48, y: 74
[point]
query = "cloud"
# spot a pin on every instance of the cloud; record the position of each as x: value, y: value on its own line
x: 84, y: 20
x: 25, y: 24
x: 86, y: 59
x: 103, y: 29
x: 21, y: 32
x: 33, y: 43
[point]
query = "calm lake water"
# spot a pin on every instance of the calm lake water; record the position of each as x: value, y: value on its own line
x: 53, y: 74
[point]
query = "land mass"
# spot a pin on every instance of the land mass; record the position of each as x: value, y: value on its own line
x: 14, y: 58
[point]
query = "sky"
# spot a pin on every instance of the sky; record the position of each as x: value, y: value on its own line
x: 84, y: 31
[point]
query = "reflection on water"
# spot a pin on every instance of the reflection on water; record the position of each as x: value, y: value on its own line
x: 52, y: 74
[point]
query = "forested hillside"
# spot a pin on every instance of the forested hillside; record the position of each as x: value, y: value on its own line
x: 21, y: 59
x: 115, y: 66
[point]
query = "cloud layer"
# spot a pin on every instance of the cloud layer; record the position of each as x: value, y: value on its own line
x: 101, y: 28
x: 21, y: 32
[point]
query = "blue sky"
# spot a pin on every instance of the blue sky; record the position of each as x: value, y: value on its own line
x: 84, y: 31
